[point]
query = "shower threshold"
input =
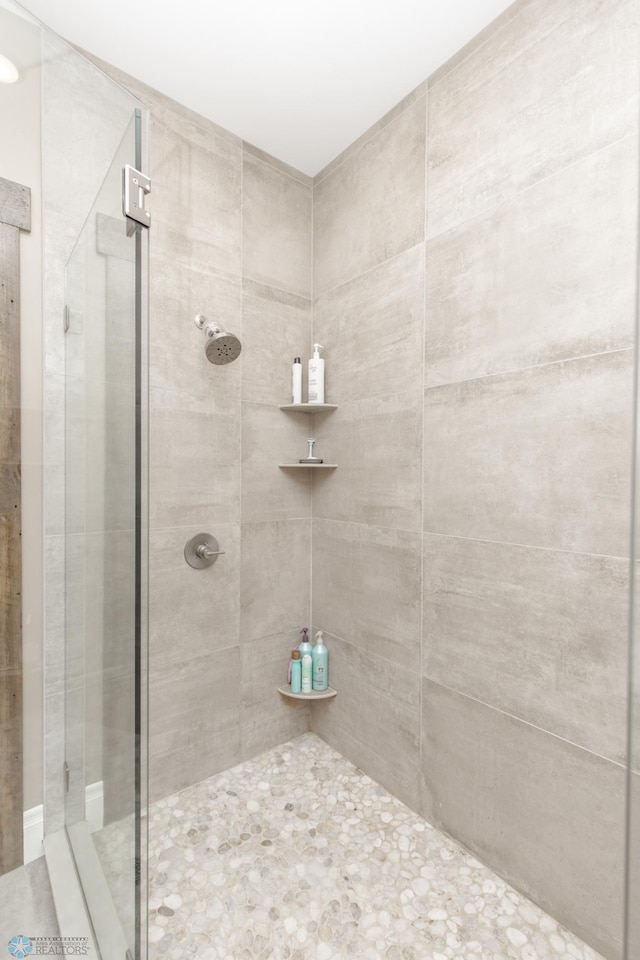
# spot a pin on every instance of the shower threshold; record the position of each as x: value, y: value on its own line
x: 297, y: 855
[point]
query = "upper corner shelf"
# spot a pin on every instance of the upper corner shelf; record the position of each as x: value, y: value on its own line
x: 308, y: 407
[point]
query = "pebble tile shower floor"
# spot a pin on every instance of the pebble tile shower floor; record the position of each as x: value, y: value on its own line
x: 297, y: 855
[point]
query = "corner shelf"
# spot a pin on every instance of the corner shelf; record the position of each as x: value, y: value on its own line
x: 308, y: 407
x: 314, y: 695
x: 308, y: 466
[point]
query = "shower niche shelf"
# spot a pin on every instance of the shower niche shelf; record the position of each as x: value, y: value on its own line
x: 308, y: 407
x: 314, y: 695
x: 308, y: 466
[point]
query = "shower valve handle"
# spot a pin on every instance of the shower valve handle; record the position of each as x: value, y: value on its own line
x: 202, y: 550
x: 204, y: 553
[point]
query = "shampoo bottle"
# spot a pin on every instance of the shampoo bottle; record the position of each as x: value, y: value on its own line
x: 316, y: 375
x: 320, y: 670
x: 306, y: 673
x: 296, y: 672
x: 305, y: 644
x: 296, y: 381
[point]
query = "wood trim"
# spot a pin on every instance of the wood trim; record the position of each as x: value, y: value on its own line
x: 15, y: 214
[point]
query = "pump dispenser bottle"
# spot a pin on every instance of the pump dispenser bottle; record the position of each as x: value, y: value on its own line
x: 316, y: 375
x: 320, y: 663
x: 305, y: 644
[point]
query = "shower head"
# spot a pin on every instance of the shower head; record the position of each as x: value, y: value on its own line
x: 221, y: 347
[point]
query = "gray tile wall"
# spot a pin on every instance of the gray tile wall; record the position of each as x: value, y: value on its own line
x: 474, y: 289
x: 231, y: 238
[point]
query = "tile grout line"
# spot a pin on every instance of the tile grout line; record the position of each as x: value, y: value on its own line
x: 313, y: 483
x: 528, y: 723
x: 515, y: 371
x: 368, y: 270
x: 423, y: 639
x: 509, y: 199
x: 346, y: 155
x: 455, y: 536
x: 241, y: 395
x: 278, y: 169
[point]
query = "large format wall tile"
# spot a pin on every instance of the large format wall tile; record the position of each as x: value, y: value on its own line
x: 275, y: 577
x: 276, y: 328
x: 372, y: 327
x: 266, y: 717
x: 366, y: 587
x: 194, y: 720
x: 194, y: 458
x: 633, y: 841
x: 177, y: 348
x: 270, y: 437
x: 192, y: 612
x: 540, y: 457
x: 546, y: 815
x: 541, y: 634
x: 377, y: 445
x: 276, y: 227
x: 375, y: 719
x: 371, y: 207
x: 548, y: 275
x: 196, y: 200
x: 513, y: 112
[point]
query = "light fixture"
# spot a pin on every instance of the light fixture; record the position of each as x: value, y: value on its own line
x: 8, y: 71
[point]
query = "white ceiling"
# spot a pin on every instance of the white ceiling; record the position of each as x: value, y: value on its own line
x: 300, y: 80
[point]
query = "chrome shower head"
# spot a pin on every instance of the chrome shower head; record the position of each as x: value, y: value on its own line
x: 221, y: 347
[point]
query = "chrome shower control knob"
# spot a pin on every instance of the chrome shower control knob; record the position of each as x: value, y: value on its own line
x: 202, y: 550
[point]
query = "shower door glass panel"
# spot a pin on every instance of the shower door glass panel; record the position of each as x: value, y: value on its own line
x: 632, y: 913
x: 105, y: 623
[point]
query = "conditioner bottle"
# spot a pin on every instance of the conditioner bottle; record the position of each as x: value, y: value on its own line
x: 316, y: 375
x: 320, y: 657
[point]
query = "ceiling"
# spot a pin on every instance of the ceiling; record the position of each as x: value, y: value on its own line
x: 300, y: 80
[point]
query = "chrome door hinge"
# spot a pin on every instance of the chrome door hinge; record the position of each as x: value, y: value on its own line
x: 65, y: 320
x: 135, y: 187
x: 67, y: 776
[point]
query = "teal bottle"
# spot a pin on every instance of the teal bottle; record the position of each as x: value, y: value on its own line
x: 296, y: 672
x: 320, y: 657
x: 305, y: 644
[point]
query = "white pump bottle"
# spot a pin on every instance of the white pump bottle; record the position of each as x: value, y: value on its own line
x: 316, y: 375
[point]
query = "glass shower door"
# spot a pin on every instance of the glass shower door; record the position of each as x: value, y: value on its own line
x: 105, y: 563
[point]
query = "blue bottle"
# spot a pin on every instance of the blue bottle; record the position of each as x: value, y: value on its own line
x: 320, y: 657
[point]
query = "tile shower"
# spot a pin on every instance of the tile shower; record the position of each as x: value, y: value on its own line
x: 469, y: 264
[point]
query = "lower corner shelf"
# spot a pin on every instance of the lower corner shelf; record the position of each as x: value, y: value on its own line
x: 314, y: 695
